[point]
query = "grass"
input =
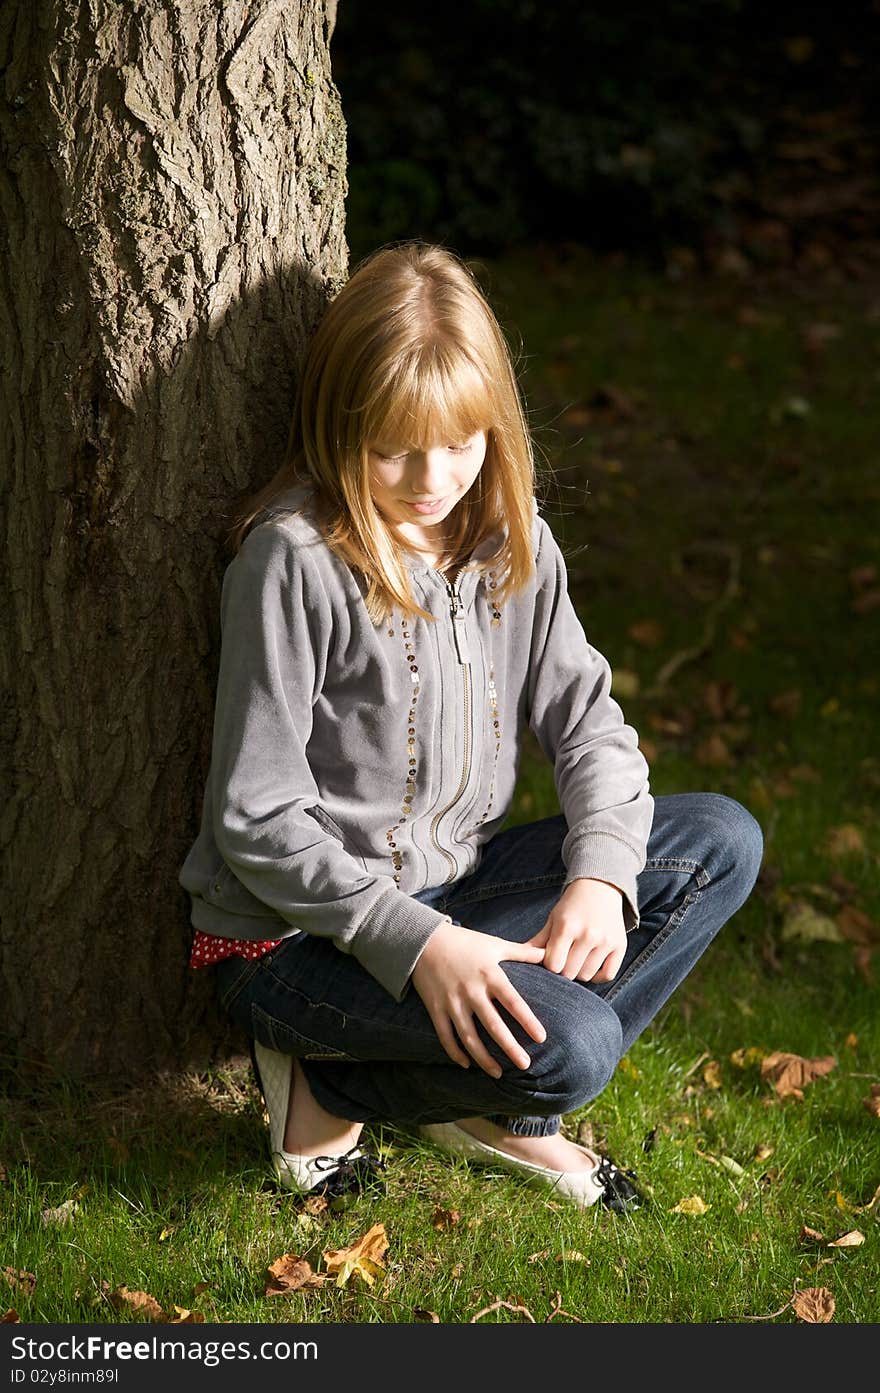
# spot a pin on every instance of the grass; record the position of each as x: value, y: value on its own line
x: 698, y: 432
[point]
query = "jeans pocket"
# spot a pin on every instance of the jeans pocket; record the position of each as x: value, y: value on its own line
x: 232, y: 976
x: 287, y: 1039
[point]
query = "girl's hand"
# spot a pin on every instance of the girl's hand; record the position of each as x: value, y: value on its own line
x: 459, y: 979
x: 585, y: 936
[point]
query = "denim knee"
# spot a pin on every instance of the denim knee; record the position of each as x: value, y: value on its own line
x: 576, y: 1061
x: 736, y: 839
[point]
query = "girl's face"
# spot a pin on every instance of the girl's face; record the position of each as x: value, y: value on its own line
x: 416, y: 490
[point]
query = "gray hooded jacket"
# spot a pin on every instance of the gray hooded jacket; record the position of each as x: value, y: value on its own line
x: 355, y: 764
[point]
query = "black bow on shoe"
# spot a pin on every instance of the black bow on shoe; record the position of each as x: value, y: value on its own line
x: 620, y: 1193
x: 354, y: 1172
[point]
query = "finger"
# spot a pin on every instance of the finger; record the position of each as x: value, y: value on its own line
x: 611, y: 966
x: 539, y: 940
x: 519, y: 952
x: 446, y: 1036
x: 556, y: 956
x: 467, y: 1034
x: 592, y: 964
x: 503, y: 1037
x: 508, y: 997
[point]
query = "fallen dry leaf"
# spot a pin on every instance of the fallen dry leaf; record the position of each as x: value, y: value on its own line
x: 694, y: 1204
x: 806, y: 923
x: 872, y: 1102
x: 625, y: 683
x: 10, y: 1317
x: 743, y: 1058
x: 363, y: 1258
x: 316, y: 1204
x: 846, y: 840
x: 854, y: 1239
x: 421, y: 1313
x: 21, y: 1280
x: 445, y: 1218
x: 763, y: 1151
x: 572, y: 1255
x: 184, y: 1317
x: 289, y: 1273
x: 200, y: 1287
x: 808, y: 1235
x: 848, y: 1208
x: 712, y: 1074
x: 856, y: 925
x: 787, y: 703
x: 815, y: 1305
x: 139, y: 1302
x: 713, y: 751
x: 60, y: 1215
x: 790, y: 1073
x: 851, y: 1040
x: 648, y: 632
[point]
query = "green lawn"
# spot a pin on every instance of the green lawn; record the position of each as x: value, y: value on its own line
x: 711, y: 468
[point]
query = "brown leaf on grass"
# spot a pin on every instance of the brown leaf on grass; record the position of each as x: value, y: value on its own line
x: 872, y: 1102
x: 815, y: 1305
x: 693, y: 1204
x: 290, y: 1273
x: 719, y: 699
x: 862, y: 959
x: 742, y: 1058
x: 848, y: 1208
x: 572, y: 1255
x: 851, y: 1040
x: 20, y: 1280
x: 184, y: 1317
x: 540, y: 1256
x: 790, y: 1073
x: 763, y: 1152
x: 846, y: 840
x: 420, y: 1313
x: 200, y: 1287
x: 712, y: 1074
x: 316, y: 1204
x: 787, y: 703
x: 864, y: 601
x: 853, y: 1239
x: 713, y: 751
x: 10, y: 1317
x: 363, y: 1258
x: 808, y: 1235
x: 445, y: 1218
x: 804, y: 922
x: 140, y: 1303
x: 60, y: 1215
x: 860, y: 577
x: 856, y: 925
x: 647, y: 632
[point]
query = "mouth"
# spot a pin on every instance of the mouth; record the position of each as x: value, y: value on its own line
x: 426, y: 507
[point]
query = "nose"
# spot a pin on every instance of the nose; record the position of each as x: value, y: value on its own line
x: 428, y: 473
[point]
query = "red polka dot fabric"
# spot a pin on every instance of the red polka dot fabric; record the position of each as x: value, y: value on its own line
x: 209, y: 948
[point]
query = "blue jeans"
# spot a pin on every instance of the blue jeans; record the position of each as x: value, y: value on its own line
x: 368, y: 1057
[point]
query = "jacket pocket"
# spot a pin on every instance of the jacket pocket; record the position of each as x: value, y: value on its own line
x: 225, y: 891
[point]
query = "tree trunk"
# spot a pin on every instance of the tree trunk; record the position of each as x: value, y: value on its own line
x: 172, y: 186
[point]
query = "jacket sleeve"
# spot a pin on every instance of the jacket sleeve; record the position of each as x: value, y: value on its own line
x: 276, y: 623
x: 601, y: 775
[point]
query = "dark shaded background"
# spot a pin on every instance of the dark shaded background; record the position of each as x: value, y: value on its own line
x: 678, y: 131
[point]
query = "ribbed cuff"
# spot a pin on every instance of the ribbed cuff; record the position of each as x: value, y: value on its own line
x: 602, y: 856
x: 390, y: 941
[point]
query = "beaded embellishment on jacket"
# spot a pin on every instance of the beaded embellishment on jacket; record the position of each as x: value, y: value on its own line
x: 412, y: 765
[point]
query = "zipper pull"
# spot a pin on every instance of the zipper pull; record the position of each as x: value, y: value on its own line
x: 459, y: 625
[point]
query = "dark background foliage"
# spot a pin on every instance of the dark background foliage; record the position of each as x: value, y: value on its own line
x: 671, y: 129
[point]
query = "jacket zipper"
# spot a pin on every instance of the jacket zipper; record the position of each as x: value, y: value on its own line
x: 462, y: 648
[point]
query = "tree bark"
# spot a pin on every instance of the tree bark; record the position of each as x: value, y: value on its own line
x: 172, y: 184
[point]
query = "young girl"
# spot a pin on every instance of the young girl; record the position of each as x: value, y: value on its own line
x: 395, y: 616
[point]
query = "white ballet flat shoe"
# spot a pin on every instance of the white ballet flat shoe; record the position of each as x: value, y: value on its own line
x: 603, y: 1183
x: 353, y: 1170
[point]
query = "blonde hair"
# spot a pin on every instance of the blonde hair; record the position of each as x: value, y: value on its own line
x: 409, y: 351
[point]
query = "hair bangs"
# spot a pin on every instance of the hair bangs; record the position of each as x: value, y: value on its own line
x: 435, y: 398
